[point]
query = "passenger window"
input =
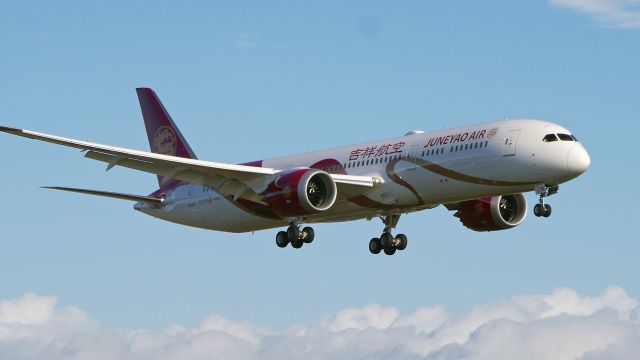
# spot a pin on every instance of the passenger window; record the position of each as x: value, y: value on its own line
x: 550, y: 138
x: 565, y: 137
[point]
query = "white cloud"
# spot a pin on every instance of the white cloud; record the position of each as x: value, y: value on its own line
x: 618, y: 13
x: 560, y: 325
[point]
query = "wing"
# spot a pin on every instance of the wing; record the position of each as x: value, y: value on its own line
x: 151, y: 201
x: 228, y: 179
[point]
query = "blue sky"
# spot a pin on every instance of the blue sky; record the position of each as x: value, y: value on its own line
x: 252, y: 80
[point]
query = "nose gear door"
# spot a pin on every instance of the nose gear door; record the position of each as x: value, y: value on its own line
x: 509, y: 148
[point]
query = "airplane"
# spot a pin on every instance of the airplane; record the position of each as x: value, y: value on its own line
x: 479, y: 171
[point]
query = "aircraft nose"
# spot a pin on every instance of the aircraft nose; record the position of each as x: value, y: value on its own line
x: 578, y: 160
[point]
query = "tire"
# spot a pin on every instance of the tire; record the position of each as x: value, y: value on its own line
x: 293, y: 233
x: 390, y: 251
x: 308, y: 234
x: 538, y: 210
x: 296, y: 244
x: 281, y: 239
x: 387, y: 241
x: 547, y: 210
x: 375, y: 246
x: 402, y: 241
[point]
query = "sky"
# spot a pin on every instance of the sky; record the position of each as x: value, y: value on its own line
x: 81, y: 276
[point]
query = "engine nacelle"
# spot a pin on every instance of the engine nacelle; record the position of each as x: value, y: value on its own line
x: 493, y: 213
x: 301, y: 192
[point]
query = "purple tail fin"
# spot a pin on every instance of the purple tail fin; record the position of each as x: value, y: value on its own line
x: 164, y: 136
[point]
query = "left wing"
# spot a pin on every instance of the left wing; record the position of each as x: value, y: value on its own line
x: 228, y: 179
x: 151, y: 201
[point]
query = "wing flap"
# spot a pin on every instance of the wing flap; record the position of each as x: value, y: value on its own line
x: 353, y: 185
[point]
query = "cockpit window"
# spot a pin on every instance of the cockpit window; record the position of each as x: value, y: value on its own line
x: 565, y: 137
x: 574, y: 138
x: 550, y: 138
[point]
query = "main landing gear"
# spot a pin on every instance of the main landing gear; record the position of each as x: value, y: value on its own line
x: 387, y: 242
x: 542, y: 209
x: 295, y: 236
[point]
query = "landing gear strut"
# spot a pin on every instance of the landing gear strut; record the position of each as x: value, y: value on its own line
x: 387, y: 242
x: 542, y: 209
x: 295, y: 236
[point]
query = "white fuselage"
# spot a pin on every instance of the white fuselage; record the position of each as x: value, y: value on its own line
x: 417, y: 171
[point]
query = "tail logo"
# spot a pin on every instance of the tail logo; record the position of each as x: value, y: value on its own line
x: 164, y: 141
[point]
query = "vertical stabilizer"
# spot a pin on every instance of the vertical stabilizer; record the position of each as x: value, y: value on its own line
x: 164, y: 136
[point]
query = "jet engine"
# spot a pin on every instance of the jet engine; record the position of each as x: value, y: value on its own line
x: 301, y: 192
x: 493, y: 213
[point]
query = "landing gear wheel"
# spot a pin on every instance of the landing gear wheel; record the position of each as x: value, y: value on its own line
x: 281, y: 239
x: 401, y: 242
x: 390, y: 251
x: 307, y: 234
x: 538, y: 210
x: 542, y: 209
x: 296, y: 244
x: 387, y: 241
x: 375, y: 246
x: 293, y: 233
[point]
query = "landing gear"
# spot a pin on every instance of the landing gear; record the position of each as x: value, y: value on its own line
x: 542, y: 209
x: 295, y: 236
x: 388, y: 242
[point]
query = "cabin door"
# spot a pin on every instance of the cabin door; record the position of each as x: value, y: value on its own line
x: 509, y: 147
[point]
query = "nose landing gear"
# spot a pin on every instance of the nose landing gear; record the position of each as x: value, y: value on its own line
x: 387, y: 242
x: 542, y: 209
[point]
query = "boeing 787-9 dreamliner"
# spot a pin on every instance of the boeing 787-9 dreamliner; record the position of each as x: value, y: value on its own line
x: 479, y: 171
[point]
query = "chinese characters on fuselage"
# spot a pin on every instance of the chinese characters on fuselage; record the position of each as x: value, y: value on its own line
x: 376, y: 151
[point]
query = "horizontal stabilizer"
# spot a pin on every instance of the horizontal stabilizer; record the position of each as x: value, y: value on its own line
x: 145, y: 199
